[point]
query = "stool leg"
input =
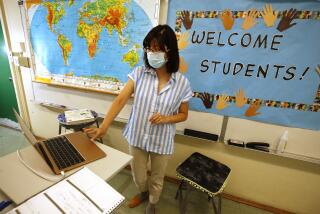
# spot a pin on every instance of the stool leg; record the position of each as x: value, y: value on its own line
x: 219, y: 203
x: 59, y: 129
x: 217, y: 210
x: 178, y: 193
x: 184, y: 201
x: 182, y: 186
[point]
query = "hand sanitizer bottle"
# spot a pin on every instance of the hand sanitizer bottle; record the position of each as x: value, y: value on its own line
x: 282, y: 142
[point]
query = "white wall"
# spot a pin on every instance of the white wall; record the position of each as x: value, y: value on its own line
x: 276, y: 181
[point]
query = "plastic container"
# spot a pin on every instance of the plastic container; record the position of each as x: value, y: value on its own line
x: 282, y: 142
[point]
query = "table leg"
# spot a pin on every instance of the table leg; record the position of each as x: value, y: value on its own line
x: 97, y: 124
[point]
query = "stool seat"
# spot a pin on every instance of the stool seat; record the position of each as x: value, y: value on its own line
x: 202, y: 173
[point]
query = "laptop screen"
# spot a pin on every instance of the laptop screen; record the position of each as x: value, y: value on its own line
x: 25, y: 129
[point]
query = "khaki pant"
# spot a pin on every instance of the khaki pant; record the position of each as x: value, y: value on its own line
x: 139, y: 172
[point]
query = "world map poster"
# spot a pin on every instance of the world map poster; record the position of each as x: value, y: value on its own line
x: 256, y: 60
x: 89, y: 44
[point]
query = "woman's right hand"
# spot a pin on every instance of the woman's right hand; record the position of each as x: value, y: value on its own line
x: 94, y: 133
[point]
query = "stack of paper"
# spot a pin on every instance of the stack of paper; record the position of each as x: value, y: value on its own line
x: 78, y: 116
x: 83, y: 192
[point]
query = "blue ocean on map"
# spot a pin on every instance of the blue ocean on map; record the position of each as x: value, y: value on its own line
x: 107, y: 60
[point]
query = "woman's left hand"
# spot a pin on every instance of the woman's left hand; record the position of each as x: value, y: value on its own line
x: 157, y: 118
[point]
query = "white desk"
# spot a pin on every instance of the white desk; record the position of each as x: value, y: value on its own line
x: 19, y: 183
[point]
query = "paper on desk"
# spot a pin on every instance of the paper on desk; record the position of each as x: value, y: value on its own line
x: 81, y: 193
x: 37, y: 204
x: 92, y: 185
x: 70, y: 200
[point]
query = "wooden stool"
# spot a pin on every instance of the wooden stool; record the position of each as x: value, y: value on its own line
x: 205, y: 174
x: 79, y: 126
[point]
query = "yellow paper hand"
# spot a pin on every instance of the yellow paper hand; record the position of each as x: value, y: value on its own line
x: 269, y: 16
x: 222, y: 102
x: 183, y: 41
x: 249, y: 20
x: 240, y: 98
x: 183, y: 66
x: 318, y: 70
x: 227, y: 19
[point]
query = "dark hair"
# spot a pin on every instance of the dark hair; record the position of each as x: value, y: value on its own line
x: 167, y: 41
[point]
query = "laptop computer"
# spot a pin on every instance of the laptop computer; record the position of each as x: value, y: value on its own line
x: 63, y: 152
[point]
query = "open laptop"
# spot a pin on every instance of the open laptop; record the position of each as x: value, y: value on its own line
x: 63, y: 152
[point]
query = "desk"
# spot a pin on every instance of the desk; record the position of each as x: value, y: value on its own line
x: 19, y: 183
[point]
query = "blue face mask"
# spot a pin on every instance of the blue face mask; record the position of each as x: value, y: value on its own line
x: 156, y: 59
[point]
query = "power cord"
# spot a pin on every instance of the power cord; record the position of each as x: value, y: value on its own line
x: 51, y: 178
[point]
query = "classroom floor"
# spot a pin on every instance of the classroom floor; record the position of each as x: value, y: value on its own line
x: 10, y: 140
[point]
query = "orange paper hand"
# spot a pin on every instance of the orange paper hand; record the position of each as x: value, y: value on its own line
x: 227, y: 19
x: 253, y: 109
x: 240, y: 98
x: 183, y: 66
x: 222, y: 102
x: 249, y: 20
x: 269, y: 16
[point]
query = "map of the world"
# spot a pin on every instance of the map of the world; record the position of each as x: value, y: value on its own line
x: 86, y: 41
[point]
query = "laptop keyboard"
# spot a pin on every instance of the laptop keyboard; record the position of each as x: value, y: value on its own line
x: 63, y: 152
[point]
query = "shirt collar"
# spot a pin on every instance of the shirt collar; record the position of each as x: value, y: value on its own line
x: 149, y: 70
x: 173, y: 75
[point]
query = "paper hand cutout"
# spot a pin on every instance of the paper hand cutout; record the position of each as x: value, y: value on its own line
x: 206, y: 99
x: 222, y: 102
x: 253, y: 109
x: 227, y: 19
x: 240, y: 98
x: 285, y: 22
x: 183, y: 41
x: 187, y: 22
x: 318, y: 70
x: 269, y: 16
x: 249, y: 20
x: 183, y: 66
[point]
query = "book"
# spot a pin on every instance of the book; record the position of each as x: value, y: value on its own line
x: 77, y: 116
x: 83, y: 192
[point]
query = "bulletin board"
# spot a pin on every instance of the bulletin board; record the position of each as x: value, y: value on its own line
x: 256, y: 60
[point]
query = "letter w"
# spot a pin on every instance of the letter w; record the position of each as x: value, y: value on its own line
x: 197, y: 40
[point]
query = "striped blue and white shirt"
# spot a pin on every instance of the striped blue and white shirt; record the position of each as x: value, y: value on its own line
x: 139, y: 132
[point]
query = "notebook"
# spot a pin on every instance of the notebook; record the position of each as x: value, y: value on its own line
x: 83, y: 192
x: 78, y: 116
